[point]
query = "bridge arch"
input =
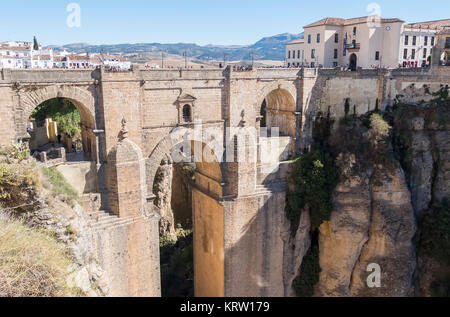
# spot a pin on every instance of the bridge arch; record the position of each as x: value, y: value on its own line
x: 81, y: 99
x: 207, y: 211
x: 278, y: 106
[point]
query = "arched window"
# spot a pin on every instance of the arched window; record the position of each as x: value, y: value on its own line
x: 187, y: 113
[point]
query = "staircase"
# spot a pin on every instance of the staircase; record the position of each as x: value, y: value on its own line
x: 269, y: 188
x: 100, y: 219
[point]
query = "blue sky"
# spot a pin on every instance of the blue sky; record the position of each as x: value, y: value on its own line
x: 192, y: 21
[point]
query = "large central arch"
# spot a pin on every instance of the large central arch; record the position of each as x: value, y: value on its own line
x: 207, y: 213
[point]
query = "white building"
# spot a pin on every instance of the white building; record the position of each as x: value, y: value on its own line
x: 417, y: 41
x: 360, y: 42
x: 21, y: 55
x: 295, y: 53
x: 367, y: 42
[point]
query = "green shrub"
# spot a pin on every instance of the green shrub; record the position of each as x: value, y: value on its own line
x: 315, y: 176
x: 309, y: 274
x: 379, y: 128
x: 16, y: 152
x: 19, y: 187
x: 177, y: 264
x: 63, y: 112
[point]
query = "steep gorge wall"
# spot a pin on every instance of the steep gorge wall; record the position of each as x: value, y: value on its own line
x: 382, y: 197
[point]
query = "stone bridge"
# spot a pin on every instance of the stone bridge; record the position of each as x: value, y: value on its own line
x: 238, y: 205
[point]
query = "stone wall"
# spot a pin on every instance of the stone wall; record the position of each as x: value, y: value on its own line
x: 241, y: 229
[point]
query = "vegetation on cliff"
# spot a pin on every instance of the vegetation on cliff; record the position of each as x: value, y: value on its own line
x: 367, y: 139
x: 177, y: 264
x: 315, y: 176
x: 33, y: 262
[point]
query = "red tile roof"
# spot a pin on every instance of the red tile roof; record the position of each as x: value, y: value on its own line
x: 343, y: 22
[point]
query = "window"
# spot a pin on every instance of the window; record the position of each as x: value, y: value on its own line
x: 309, y: 39
x: 424, y: 53
x: 289, y: 55
x: 414, y: 40
x: 406, y: 40
x: 289, y: 64
x: 377, y: 56
x: 298, y: 54
x: 426, y: 40
x: 413, y: 54
x: 313, y: 53
x: 432, y: 41
x: 336, y: 38
x: 447, y: 42
x: 335, y: 53
x: 313, y: 64
x: 187, y: 115
x: 335, y: 64
x: 405, y: 53
x: 354, y: 30
x: 318, y: 37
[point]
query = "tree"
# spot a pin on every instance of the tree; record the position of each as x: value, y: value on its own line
x: 63, y: 112
x: 35, y: 45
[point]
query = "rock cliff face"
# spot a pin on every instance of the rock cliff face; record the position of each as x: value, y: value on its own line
x: 390, y: 179
x: 422, y: 136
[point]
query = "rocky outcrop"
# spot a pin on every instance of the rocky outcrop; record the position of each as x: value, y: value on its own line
x: 343, y: 237
x: 390, y: 244
x: 420, y: 165
x: 295, y: 248
x: 72, y: 227
x: 423, y: 144
x: 163, y: 191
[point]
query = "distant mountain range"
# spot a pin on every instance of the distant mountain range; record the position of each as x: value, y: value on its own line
x: 268, y: 48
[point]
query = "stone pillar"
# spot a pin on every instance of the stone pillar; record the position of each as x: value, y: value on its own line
x: 43, y: 157
x: 62, y: 153
x: 129, y: 250
x: 126, y: 178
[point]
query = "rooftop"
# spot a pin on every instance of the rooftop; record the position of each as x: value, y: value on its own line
x: 437, y: 24
x: 299, y: 41
x: 344, y: 22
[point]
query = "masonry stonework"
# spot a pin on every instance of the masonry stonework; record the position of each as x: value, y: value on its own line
x: 238, y: 207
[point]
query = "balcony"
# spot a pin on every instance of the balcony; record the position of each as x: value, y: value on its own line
x: 353, y: 47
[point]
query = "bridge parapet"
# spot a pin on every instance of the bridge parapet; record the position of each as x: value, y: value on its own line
x: 182, y: 74
x: 48, y: 76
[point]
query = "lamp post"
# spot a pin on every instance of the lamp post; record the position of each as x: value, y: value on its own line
x: 185, y: 59
x: 225, y: 60
x: 162, y: 60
